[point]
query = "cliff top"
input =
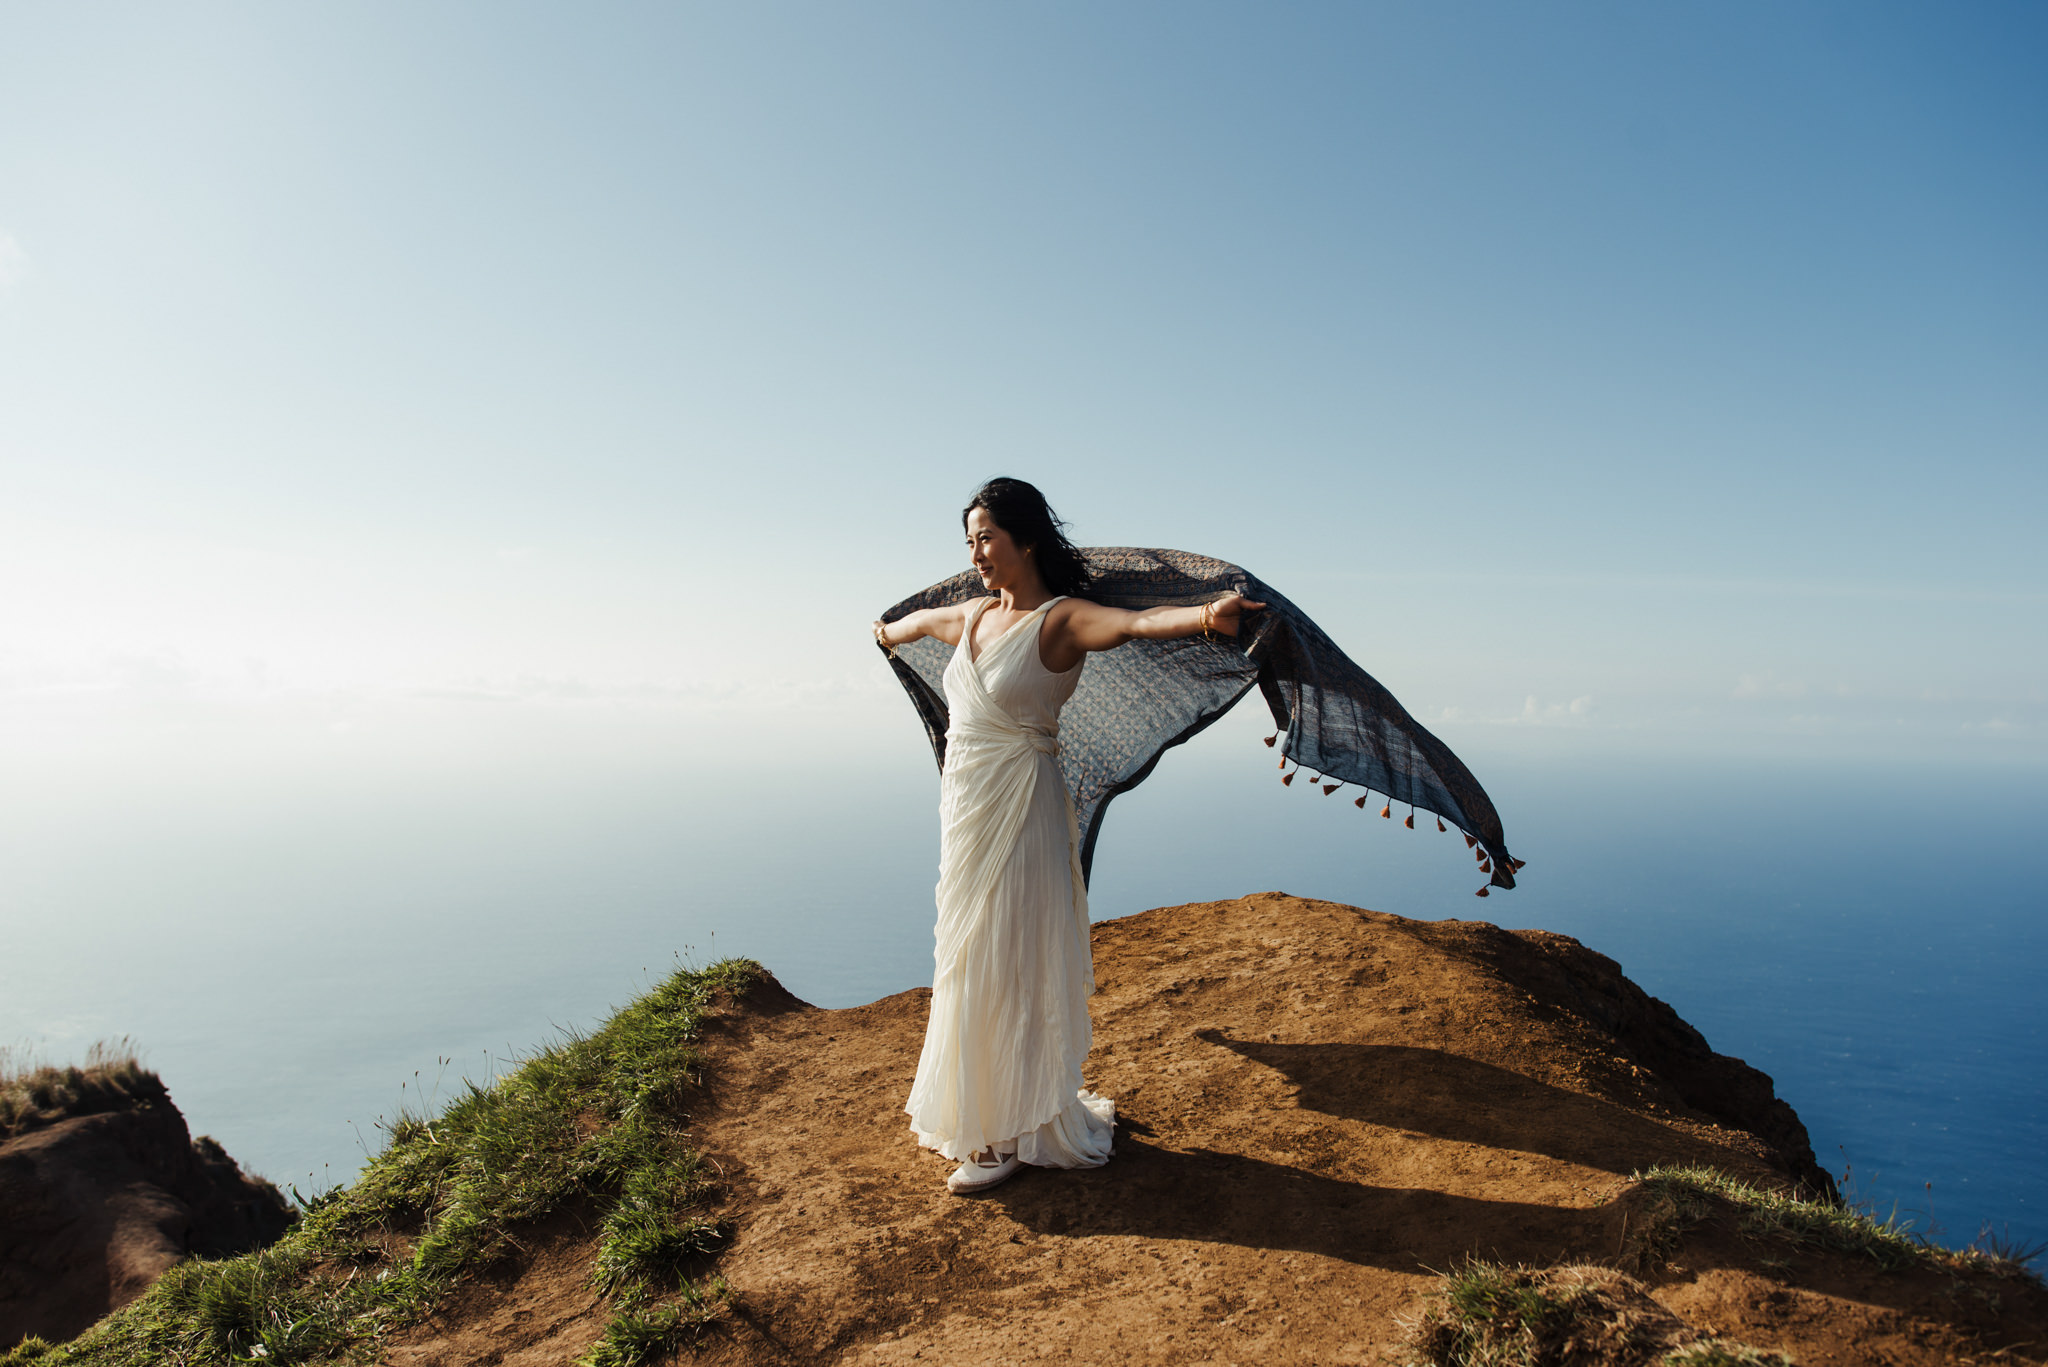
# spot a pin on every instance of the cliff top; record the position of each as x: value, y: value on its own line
x: 1343, y: 1137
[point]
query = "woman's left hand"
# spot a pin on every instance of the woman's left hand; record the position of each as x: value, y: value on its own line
x: 1228, y: 612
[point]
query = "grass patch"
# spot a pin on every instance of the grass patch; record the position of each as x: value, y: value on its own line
x: 1688, y: 1195
x: 1722, y: 1353
x: 638, y: 1330
x: 598, y: 1117
x: 1489, y: 1315
x: 32, y: 1094
x: 647, y: 1239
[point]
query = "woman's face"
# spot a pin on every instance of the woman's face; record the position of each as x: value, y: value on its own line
x: 997, y: 558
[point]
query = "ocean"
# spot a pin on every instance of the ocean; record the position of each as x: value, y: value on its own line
x: 300, y: 954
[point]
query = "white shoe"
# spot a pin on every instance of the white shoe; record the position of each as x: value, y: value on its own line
x: 976, y: 1175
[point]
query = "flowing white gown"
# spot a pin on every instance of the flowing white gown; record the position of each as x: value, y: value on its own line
x: 1009, y: 1026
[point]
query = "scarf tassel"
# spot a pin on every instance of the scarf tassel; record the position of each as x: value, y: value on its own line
x: 1470, y: 842
x: 1360, y: 804
x: 1388, y: 810
x: 1481, y: 893
x: 1270, y: 739
x: 1410, y: 822
x: 1440, y: 824
x: 1485, y: 867
x: 1329, y: 788
x: 1287, y: 780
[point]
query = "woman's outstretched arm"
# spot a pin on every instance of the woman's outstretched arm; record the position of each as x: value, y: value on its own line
x: 945, y: 623
x: 1079, y: 626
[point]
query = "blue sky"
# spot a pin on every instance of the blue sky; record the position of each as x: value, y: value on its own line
x: 380, y: 381
x: 450, y: 455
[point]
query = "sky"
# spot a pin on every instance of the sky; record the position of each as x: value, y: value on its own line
x: 390, y: 390
x: 450, y: 455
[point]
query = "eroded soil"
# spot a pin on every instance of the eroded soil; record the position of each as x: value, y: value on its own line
x: 1317, y: 1107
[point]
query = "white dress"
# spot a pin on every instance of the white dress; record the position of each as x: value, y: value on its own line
x: 1009, y: 1027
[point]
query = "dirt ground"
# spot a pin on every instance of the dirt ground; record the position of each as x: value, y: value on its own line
x: 1318, y: 1106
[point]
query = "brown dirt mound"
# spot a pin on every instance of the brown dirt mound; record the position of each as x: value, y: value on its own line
x: 1319, y: 1108
x: 102, y: 1188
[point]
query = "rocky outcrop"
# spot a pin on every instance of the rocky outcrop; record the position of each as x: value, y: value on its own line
x: 1563, y: 976
x: 102, y: 1187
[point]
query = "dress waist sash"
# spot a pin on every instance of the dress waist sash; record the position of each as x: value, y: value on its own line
x: 991, y: 726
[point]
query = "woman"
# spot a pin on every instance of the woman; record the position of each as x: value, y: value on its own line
x: 999, y: 1082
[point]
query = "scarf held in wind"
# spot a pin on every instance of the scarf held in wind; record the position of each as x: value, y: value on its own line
x: 1143, y: 698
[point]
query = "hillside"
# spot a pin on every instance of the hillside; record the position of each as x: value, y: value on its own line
x: 1318, y: 1106
x: 1345, y: 1137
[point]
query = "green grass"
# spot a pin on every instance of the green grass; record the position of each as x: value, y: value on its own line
x: 638, y: 1330
x: 1693, y: 1193
x: 598, y: 1118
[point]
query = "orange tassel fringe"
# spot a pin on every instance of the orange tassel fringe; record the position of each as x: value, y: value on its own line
x: 1360, y: 804
x: 1410, y: 822
x: 1440, y: 824
x: 1480, y: 893
x: 1270, y: 739
x: 1388, y: 810
x: 1329, y: 788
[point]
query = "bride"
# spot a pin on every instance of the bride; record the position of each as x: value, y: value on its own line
x: 999, y: 1081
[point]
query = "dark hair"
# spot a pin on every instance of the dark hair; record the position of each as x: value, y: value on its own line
x: 1022, y: 511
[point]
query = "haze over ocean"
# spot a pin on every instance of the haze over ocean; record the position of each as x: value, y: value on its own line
x: 449, y: 458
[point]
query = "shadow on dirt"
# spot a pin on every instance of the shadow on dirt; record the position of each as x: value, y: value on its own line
x: 1435, y: 1093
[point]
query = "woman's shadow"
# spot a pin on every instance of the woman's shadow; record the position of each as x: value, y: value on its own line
x: 1431, y: 1092
x: 1153, y: 1191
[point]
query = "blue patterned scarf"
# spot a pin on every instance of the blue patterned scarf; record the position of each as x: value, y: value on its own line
x: 1136, y: 702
